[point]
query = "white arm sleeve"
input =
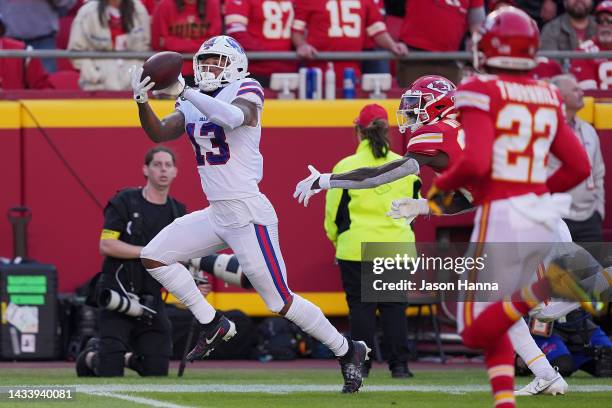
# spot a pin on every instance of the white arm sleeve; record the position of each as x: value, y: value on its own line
x: 222, y: 113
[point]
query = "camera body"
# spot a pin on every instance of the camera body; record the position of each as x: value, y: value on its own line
x: 129, y: 304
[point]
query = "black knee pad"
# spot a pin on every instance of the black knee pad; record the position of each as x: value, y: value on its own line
x: 150, y: 365
x: 565, y: 364
x: 110, y: 359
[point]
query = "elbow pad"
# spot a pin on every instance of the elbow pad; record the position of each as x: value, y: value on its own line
x: 219, y: 112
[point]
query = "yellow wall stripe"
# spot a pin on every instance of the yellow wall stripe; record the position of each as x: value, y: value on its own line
x: 101, y: 113
x: 331, y: 303
x: 9, y: 115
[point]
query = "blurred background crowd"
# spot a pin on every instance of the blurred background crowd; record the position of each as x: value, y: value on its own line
x: 400, y: 26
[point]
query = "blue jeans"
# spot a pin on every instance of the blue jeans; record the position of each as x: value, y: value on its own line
x: 45, y: 43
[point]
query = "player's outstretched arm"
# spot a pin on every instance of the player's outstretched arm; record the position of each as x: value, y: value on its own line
x: 369, y: 177
x: 365, y: 177
x: 169, y: 128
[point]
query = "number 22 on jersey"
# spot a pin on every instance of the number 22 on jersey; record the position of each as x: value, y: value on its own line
x: 519, y: 155
x: 209, y: 144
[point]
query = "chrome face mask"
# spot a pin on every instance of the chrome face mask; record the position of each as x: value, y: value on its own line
x: 410, y: 115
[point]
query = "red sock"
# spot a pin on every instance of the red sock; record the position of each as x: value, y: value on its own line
x: 498, y: 317
x: 499, y: 358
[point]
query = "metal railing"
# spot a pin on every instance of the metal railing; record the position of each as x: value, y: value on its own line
x: 291, y: 56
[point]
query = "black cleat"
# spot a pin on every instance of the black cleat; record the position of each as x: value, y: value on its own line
x: 82, y: 370
x: 352, y: 365
x: 210, y: 338
x: 400, y: 370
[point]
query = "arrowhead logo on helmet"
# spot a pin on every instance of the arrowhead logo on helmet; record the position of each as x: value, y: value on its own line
x: 429, y: 99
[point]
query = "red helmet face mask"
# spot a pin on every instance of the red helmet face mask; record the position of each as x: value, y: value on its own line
x: 508, y: 39
x: 428, y: 100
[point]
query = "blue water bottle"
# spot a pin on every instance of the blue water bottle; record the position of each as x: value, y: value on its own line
x: 348, y: 85
x: 311, y: 83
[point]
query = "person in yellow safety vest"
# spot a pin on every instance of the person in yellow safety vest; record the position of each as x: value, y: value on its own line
x: 356, y: 216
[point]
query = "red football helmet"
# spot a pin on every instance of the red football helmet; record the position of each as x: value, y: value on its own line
x: 508, y: 39
x: 428, y: 100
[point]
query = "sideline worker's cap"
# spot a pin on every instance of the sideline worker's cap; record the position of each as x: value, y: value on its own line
x: 370, y: 113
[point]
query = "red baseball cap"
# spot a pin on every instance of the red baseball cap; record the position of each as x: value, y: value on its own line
x: 370, y: 113
x: 604, y: 7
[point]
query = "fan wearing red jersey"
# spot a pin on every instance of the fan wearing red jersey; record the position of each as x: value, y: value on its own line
x: 339, y: 25
x: 511, y: 123
x: 182, y: 26
x: 437, y: 25
x: 596, y: 73
x: 262, y: 25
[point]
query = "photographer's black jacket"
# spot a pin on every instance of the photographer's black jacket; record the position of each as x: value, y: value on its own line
x: 137, y: 221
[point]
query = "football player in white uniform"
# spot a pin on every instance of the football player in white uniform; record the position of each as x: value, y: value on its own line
x: 223, y: 121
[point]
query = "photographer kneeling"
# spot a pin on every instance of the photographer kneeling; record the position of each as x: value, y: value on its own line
x: 134, y: 330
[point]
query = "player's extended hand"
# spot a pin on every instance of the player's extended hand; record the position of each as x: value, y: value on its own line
x: 140, y: 88
x: 304, y: 189
x: 408, y: 208
x: 439, y: 200
x: 175, y: 90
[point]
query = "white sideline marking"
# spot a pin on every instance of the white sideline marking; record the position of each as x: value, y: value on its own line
x: 139, y: 400
x: 292, y: 388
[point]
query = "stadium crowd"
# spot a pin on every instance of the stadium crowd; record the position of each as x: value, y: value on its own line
x: 399, y: 26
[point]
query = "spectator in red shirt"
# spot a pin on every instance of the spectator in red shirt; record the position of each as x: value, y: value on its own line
x: 596, y: 73
x: 20, y: 73
x: 262, y: 25
x: 340, y: 25
x: 183, y: 25
x: 437, y: 25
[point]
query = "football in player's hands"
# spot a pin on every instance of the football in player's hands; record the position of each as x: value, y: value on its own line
x: 163, y: 68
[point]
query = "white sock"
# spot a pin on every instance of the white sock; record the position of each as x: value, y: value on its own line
x: 178, y: 281
x: 311, y: 319
x: 526, y: 347
x: 126, y: 359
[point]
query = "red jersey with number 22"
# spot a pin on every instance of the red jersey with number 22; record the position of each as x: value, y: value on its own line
x: 526, y: 115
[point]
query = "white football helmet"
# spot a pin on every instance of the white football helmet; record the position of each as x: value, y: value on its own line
x: 232, y: 60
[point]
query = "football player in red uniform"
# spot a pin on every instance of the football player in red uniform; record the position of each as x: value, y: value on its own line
x: 427, y: 111
x: 262, y: 25
x: 596, y: 73
x: 511, y: 123
x: 341, y: 25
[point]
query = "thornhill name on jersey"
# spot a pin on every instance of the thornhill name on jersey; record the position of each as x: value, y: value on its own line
x: 537, y: 94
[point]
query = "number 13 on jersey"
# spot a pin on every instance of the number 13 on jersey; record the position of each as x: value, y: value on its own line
x: 209, y: 144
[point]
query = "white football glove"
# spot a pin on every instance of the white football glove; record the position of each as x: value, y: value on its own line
x: 408, y: 208
x: 140, y: 88
x: 303, y: 189
x: 175, y: 90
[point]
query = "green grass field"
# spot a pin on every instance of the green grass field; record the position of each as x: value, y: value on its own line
x: 294, y: 388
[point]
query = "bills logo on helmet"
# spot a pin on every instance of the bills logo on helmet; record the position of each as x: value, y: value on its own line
x: 208, y: 43
x: 440, y: 86
x: 234, y: 44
